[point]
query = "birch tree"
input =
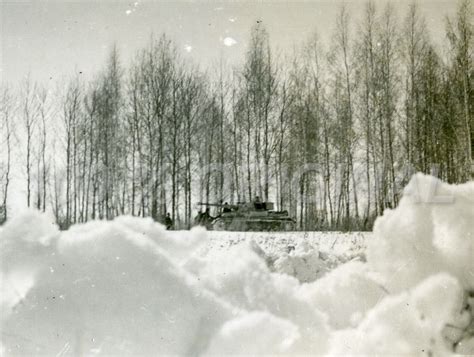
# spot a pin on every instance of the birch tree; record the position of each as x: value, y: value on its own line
x: 6, y: 140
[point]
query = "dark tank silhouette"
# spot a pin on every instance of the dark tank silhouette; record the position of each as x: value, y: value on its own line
x: 245, y: 216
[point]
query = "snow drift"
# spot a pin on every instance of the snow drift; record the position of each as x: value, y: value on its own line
x: 431, y: 231
x: 129, y: 287
x: 103, y: 287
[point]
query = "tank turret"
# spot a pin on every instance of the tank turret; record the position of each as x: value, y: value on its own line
x: 245, y: 216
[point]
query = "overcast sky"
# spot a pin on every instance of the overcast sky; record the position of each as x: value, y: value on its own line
x: 52, y: 39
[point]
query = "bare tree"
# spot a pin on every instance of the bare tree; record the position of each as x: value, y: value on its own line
x: 343, y: 105
x: 30, y: 116
x: 260, y: 85
x: 460, y: 33
x: 6, y: 138
x: 44, y: 109
x: 71, y: 107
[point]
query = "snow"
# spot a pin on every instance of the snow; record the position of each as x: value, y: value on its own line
x: 431, y: 231
x: 107, y: 288
x: 271, y: 335
x: 304, y: 255
x: 359, y: 291
x: 128, y: 286
x: 410, y: 323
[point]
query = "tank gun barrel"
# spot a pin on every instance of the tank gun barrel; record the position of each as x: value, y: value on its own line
x: 216, y: 205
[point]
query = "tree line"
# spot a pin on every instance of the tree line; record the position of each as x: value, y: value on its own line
x: 329, y: 134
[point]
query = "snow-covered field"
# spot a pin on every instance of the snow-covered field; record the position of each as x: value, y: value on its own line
x: 305, y: 255
x: 129, y: 287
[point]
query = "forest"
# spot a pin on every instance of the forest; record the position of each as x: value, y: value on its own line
x: 330, y: 133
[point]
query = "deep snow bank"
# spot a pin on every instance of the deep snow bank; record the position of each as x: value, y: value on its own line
x: 110, y: 288
x: 431, y: 231
x: 128, y: 287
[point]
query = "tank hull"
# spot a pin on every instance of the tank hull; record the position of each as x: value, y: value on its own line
x: 241, y: 224
x: 242, y: 216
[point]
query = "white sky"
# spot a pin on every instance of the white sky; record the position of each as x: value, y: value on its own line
x: 52, y: 39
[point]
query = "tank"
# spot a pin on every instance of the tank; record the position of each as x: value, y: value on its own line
x: 250, y: 216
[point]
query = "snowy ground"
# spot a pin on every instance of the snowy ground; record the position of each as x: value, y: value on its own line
x: 305, y: 255
x: 129, y: 287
